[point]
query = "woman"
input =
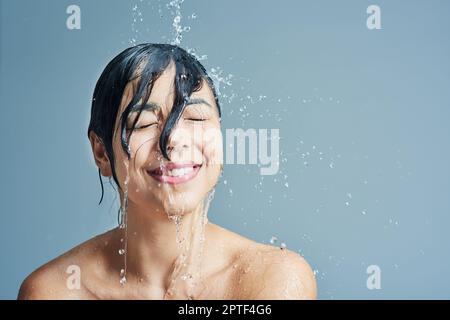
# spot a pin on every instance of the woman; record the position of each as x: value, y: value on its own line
x: 155, y: 129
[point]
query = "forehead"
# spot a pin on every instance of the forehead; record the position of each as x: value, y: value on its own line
x: 163, y: 92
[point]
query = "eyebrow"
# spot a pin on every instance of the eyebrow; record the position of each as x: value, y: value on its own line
x: 151, y: 106
x: 198, y: 101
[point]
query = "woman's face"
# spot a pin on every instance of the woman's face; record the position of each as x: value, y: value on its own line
x: 194, y: 148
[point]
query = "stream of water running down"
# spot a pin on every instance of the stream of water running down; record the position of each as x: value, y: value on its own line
x: 187, y: 266
x: 123, y: 224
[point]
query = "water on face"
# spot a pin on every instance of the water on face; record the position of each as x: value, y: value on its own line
x: 186, y: 271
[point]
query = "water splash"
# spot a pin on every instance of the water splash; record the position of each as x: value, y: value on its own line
x: 175, y: 8
x: 186, y: 274
x: 199, y: 57
x: 209, y: 198
x: 137, y: 21
x: 123, y: 225
x: 273, y: 240
x: 224, y: 83
x: 178, y: 220
x: 220, y: 79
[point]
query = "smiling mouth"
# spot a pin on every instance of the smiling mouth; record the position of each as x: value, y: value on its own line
x: 174, y: 173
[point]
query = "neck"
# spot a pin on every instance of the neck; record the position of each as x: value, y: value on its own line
x: 155, y: 243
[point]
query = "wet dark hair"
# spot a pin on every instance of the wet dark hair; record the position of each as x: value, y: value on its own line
x: 144, y: 62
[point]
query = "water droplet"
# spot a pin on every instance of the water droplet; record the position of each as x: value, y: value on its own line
x: 186, y: 276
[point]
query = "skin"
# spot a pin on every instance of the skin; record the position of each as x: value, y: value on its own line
x: 224, y: 266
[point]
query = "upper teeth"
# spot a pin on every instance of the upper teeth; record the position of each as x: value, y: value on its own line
x: 179, y: 172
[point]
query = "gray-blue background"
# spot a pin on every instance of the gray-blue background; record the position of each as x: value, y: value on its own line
x: 363, y: 117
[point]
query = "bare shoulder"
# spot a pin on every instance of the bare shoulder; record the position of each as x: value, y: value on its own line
x: 45, y: 283
x: 288, y: 276
x: 61, y: 277
x: 272, y: 273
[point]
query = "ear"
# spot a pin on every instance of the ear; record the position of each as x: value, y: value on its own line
x: 100, y: 156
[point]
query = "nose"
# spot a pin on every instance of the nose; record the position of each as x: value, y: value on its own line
x: 178, y: 141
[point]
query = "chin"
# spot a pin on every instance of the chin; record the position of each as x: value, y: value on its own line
x: 181, y: 203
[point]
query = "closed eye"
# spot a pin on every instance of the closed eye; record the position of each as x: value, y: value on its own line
x: 195, y: 119
x: 144, y: 126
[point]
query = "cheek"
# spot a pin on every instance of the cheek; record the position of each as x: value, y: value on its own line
x: 142, y: 149
x: 213, y: 156
x: 212, y: 146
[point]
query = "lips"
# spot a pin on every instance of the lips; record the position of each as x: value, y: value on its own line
x: 175, y: 173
